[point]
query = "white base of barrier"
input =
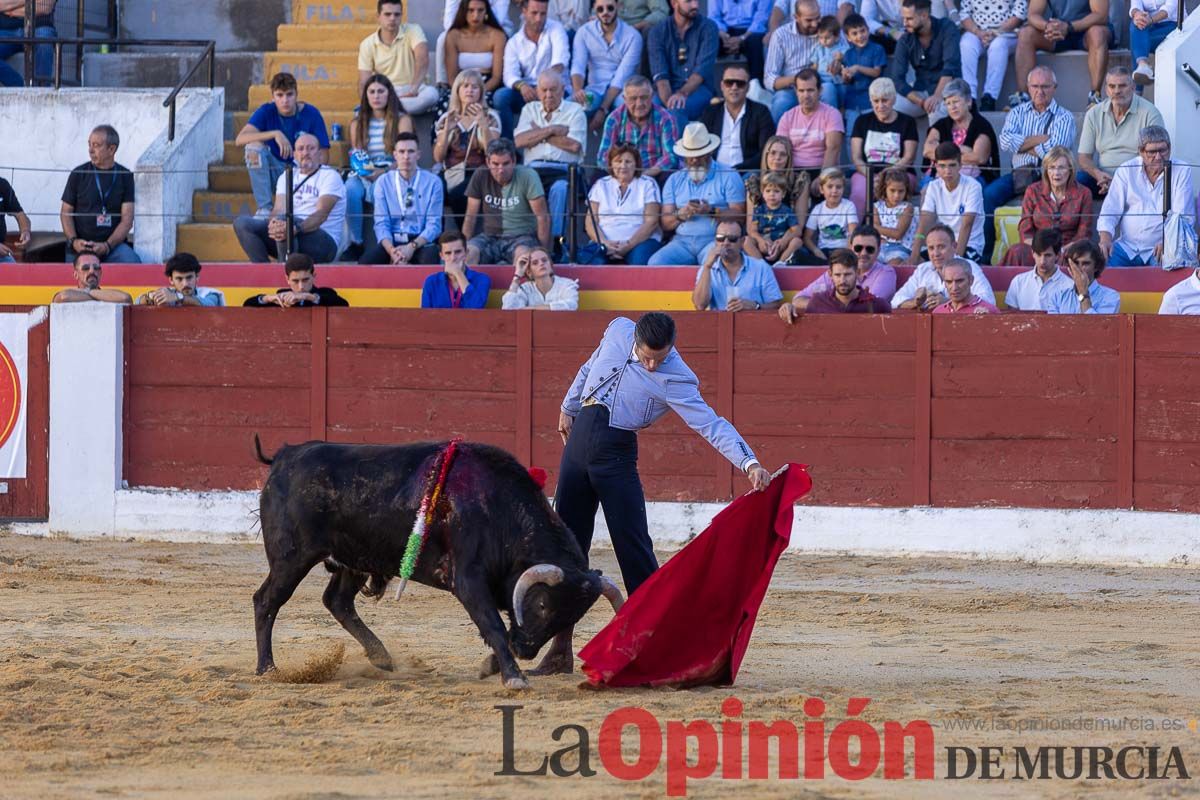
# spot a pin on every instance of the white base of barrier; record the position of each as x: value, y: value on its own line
x: 1064, y: 536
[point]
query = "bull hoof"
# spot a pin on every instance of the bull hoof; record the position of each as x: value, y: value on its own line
x: 518, y: 683
x: 263, y: 669
x: 381, y: 661
x: 555, y: 664
x: 489, y: 667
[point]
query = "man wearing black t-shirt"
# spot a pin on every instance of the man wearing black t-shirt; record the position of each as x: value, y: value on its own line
x: 97, y: 203
x: 10, y: 205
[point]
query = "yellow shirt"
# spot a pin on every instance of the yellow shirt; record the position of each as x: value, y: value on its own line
x: 396, y: 60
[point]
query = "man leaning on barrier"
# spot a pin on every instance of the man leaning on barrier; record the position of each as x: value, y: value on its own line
x: 183, y: 289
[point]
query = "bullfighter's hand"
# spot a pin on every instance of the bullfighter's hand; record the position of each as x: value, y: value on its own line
x: 759, y: 478
x: 565, y: 421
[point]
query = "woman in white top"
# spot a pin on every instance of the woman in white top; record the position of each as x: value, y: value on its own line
x: 461, y: 136
x: 476, y: 41
x: 623, y: 223
x: 372, y: 137
x: 534, y: 284
x: 1152, y: 21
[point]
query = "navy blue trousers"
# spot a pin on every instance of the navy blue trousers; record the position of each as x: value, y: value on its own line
x: 599, y: 469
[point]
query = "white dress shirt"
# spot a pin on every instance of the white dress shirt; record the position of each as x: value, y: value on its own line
x: 524, y: 59
x: 1136, y: 206
x: 926, y: 276
x: 1026, y: 290
x: 563, y: 296
x: 1183, y: 297
x: 568, y: 113
x: 729, y: 154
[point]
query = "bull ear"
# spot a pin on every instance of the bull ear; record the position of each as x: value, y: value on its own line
x: 549, y: 574
x: 610, y: 591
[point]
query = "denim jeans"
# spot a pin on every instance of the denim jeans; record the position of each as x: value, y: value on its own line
x: 508, y: 103
x: 259, y: 247
x: 264, y: 169
x: 43, y: 55
x: 358, y: 189
x: 681, y: 250
x: 696, y: 102
x: 783, y: 101
x: 1145, y: 42
x: 591, y: 253
x: 121, y: 254
x: 1121, y: 258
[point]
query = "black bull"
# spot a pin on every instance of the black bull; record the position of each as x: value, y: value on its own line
x: 494, y: 542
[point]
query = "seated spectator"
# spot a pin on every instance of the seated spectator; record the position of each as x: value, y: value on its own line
x: 1135, y: 202
x: 12, y: 26
x: 777, y: 157
x: 696, y: 198
x: 989, y: 26
x: 300, y: 291
x: 683, y: 55
x: 510, y: 200
x: 790, y: 52
x: 540, y: 45
x: 1110, y: 131
x: 827, y: 59
x: 10, y: 205
x: 840, y: 9
x: 895, y: 216
x: 862, y: 64
x: 372, y: 139
x: 873, y: 275
x: 741, y: 25
x: 97, y: 202
x: 844, y: 295
x: 605, y: 54
x: 270, y: 135
x: 87, y: 283
x: 974, y: 135
x: 400, y: 51
x: 831, y: 222
x: 475, y: 39
x: 1058, y: 25
x: 457, y: 285
x: 643, y: 14
x: 461, y: 137
x: 318, y: 211
x: 814, y: 128
x: 184, y: 289
x: 645, y: 125
x: 924, y: 290
x: 774, y: 233
x: 1026, y: 290
x: 951, y: 201
x: 408, y: 211
x: 1056, y: 202
x: 625, y: 211
x: 534, y: 284
x: 1183, y: 297
x: 1085, y: 263
x: 930, y: 48
x: 957, y: 278
x: 552, y: 134
x: 885, y: 22
x: 882, y: 139
x: 499, y: 9
x: 1153, y: 21
x: 743, y: 125
x: 730, y: 280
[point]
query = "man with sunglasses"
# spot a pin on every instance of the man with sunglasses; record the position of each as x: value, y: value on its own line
x: 730, y: 280
x: 743, y: 125
x: 87, y: 284
x: 408, y: 210
x: 606, y: 53
x: 1135, y: 202
x: 876, y: 276
x: 683, y: 55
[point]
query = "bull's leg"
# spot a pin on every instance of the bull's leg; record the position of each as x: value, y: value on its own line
x: 473, y: 593
x: 489, y: 667
x: 558, y: 658
x: 339, y: 599
x: 276, y: 590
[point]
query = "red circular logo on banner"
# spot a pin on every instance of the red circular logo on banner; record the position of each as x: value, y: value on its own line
x: 10, y: 394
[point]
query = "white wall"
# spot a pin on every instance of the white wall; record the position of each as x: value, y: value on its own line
x: 1175, y: 94
x: 45, y: 133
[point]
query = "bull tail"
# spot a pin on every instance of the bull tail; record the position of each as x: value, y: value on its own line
x: 258, y: 451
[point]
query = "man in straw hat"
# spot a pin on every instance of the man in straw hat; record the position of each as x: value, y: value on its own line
x: 697, y: 198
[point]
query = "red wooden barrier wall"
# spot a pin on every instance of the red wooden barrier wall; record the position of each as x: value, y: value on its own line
x: 1015, y: 410
x: 29, y: 498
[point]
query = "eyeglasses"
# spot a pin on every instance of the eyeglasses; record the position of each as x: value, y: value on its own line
x: 865, y: 248
x: 736, y: 83
x: 726, y: 237
x: 1159, y: 152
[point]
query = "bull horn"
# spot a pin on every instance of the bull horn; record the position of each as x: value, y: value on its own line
x: 611, y: 592
x: 548, y: 574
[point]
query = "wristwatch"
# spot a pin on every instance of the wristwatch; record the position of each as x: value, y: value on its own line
x: 1082, y: 296
x: 757, y: 306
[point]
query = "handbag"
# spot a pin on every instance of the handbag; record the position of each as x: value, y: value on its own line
x: 456, y: 175
x: 1024, y: 177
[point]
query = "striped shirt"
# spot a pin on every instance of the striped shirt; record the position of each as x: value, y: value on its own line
x: 375, y: 146
x: 1025, y: 121
x: 603, y: 65
x: 654, y: 141
x: 790, y: 51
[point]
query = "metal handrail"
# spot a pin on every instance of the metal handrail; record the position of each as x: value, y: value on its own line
x: 209, y: 55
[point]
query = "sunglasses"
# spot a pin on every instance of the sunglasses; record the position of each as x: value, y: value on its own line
x: 727, y: 237
x: 408, y: 198
x: 865, y: 248
x: 734, y: 82
x: 605, y: 9
x: 683, y: 54
x: 89, y: 267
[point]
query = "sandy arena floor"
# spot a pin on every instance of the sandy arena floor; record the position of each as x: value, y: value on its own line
x: 126, y: 670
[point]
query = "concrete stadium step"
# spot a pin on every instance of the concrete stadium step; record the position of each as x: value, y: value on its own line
x: 222, y: 178
x: 314, y: 66
x: 338, y: 154
x: 334, y: 12
x: 340, y: 38
x: 221, y: 207
x: 324, y: 96
x: 1071, y: 68
x: 209, y: 241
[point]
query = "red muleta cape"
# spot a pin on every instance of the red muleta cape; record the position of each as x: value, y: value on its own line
x: 690, y: 623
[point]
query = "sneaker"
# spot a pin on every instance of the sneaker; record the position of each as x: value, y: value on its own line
x: 987, y: 103
x: 1143, y: 75
x: 1017, y: 98
x: 1093, y: 99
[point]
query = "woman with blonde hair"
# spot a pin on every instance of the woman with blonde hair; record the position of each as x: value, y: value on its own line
x: 534, y: 284
x: 461, y: 137
x: 777, y: 157
x: 1056, y: 201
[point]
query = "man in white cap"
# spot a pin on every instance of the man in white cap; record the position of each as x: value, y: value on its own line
x: 697, y: 198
